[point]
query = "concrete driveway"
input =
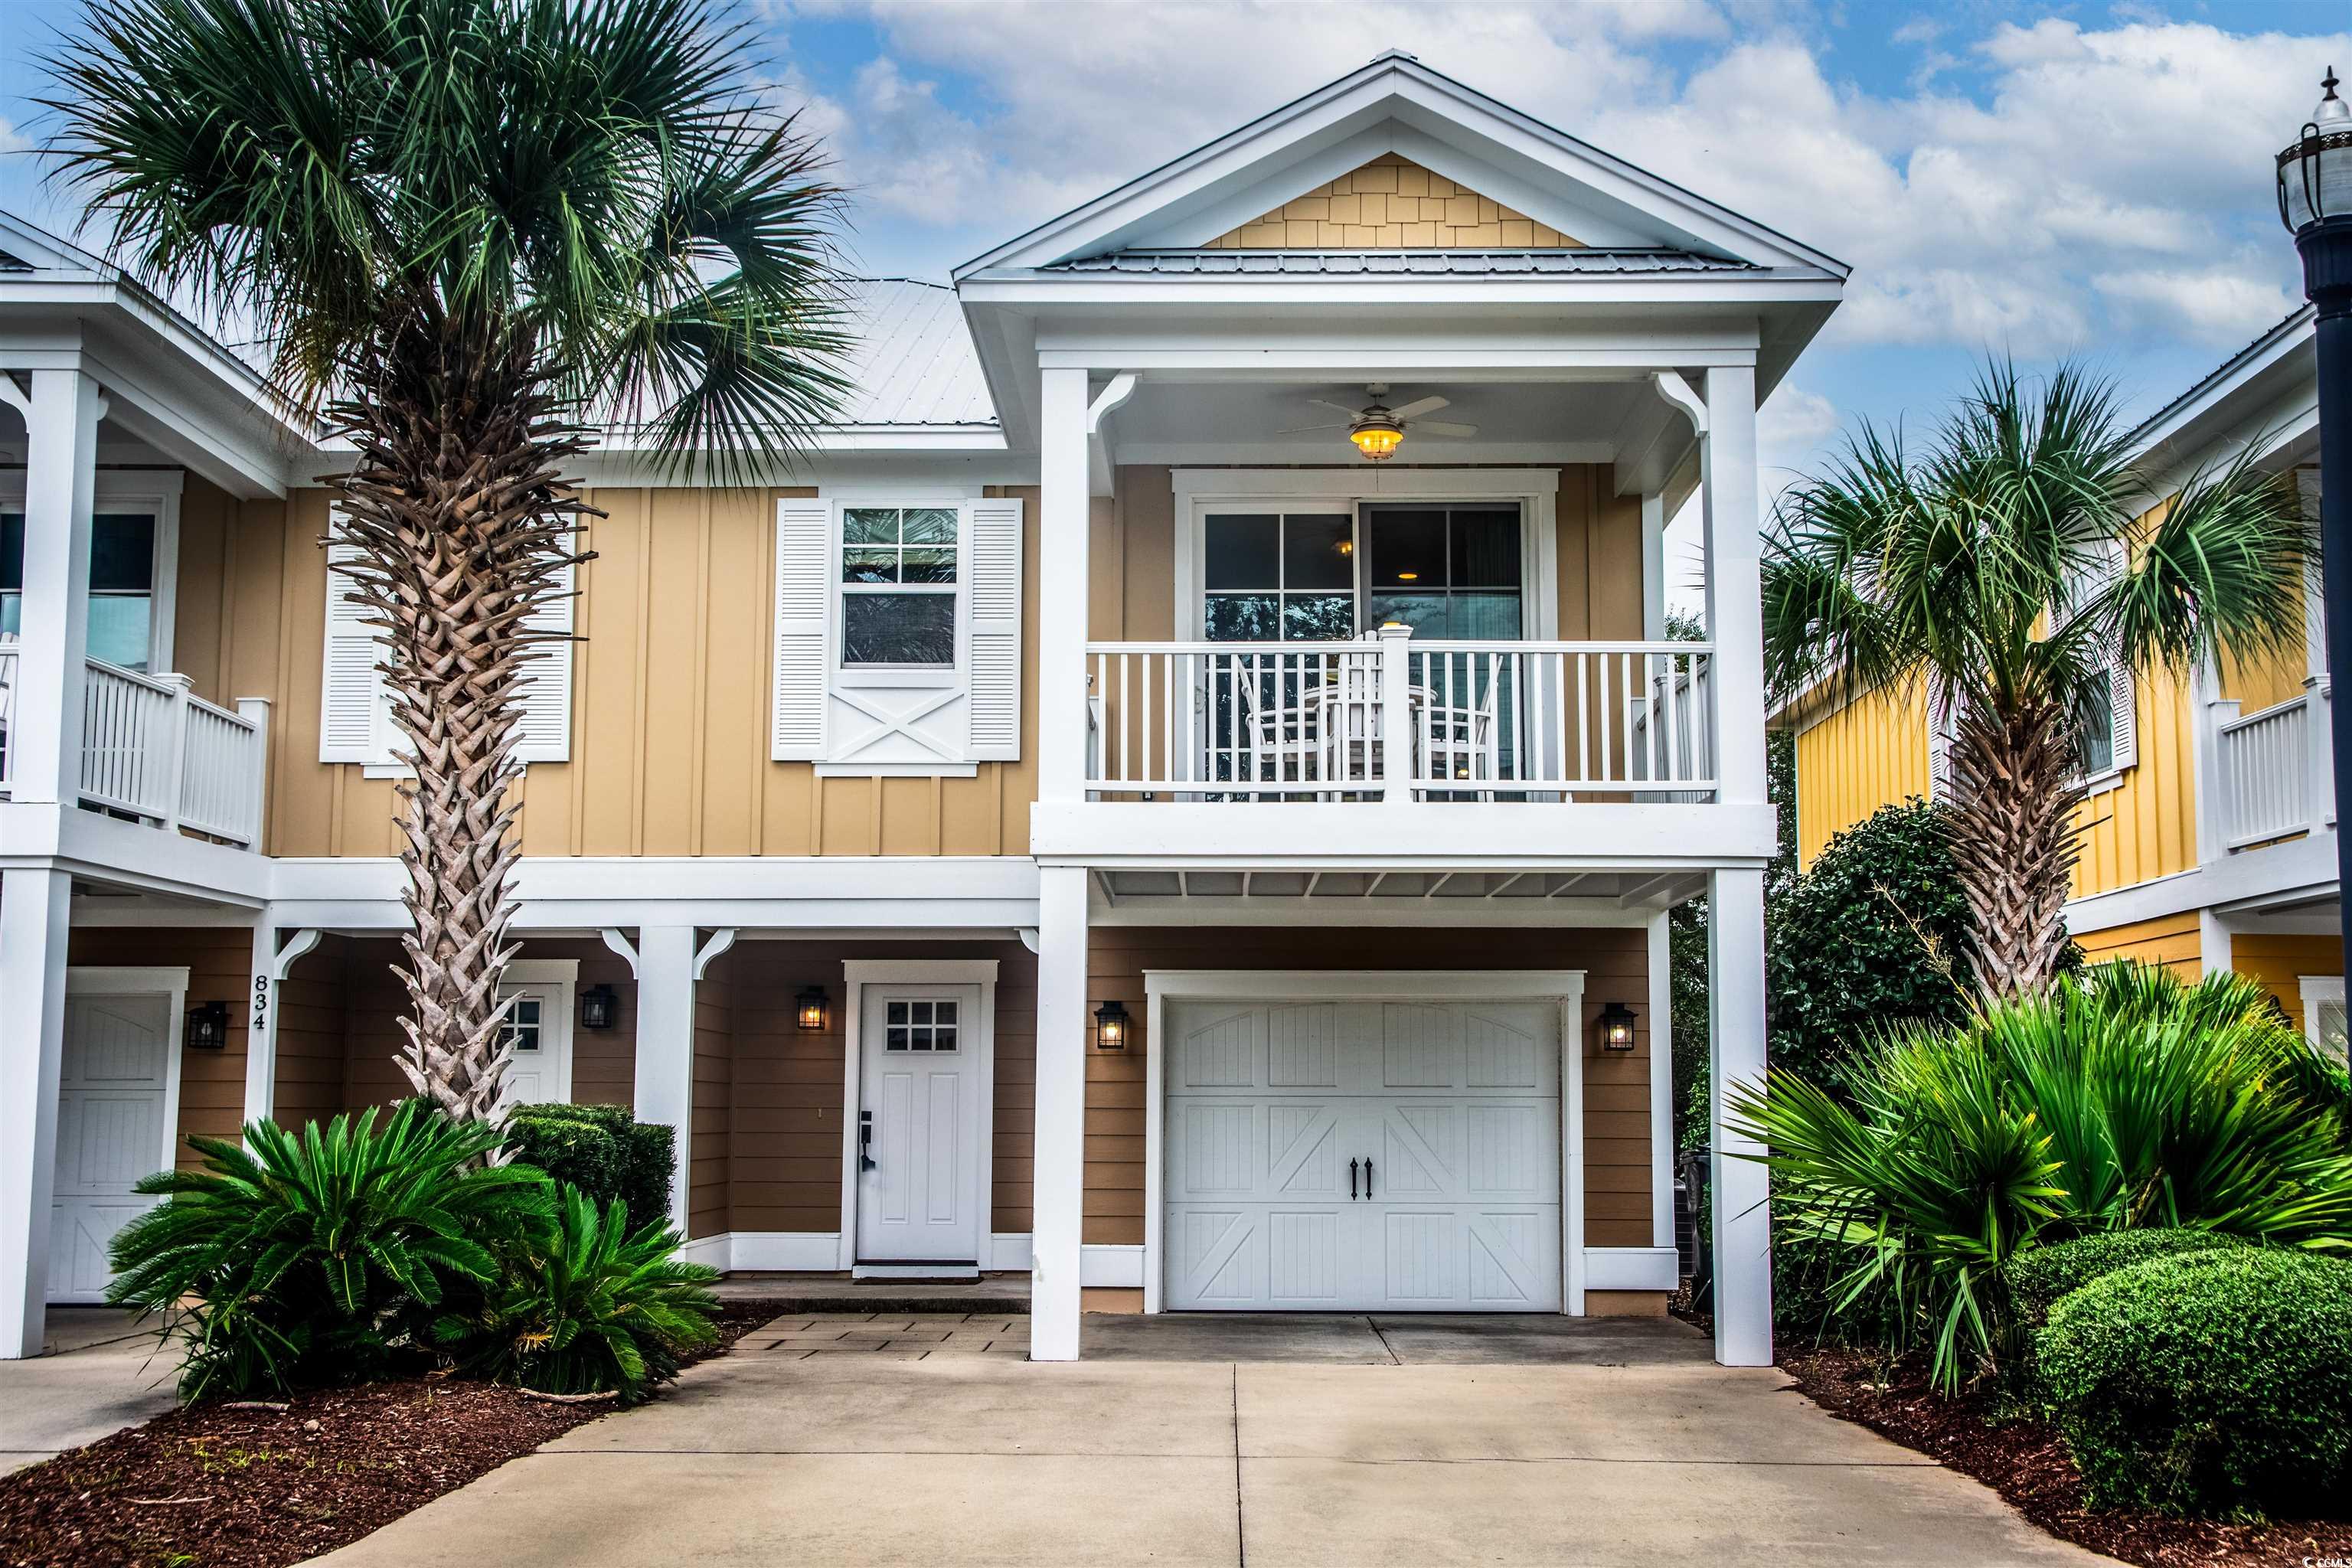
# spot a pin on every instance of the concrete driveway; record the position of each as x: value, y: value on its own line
x: 98, y: 1375
x: 891, y: 1442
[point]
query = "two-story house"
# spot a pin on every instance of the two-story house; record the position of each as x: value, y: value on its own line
x: 2209, y: 836
x: 1179, y: 796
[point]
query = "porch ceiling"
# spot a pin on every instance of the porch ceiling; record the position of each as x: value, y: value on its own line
x: 1183, y: 420
x: 1397, y: 890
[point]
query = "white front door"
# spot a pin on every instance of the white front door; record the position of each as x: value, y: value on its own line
x: 539, y: 1028
x: 113, y: 1096
x: 1355, y: 1156
x: 920, y: 1124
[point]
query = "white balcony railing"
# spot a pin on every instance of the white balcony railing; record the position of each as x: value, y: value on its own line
x: 1482, y: 721
x: 2273, y: 775
x: 153, y: 750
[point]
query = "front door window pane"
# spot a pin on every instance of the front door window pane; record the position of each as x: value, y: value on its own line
x: 1319, y: 617
x: 1244, y: 617
x: 1318, y: 553
x: 1244, y: 552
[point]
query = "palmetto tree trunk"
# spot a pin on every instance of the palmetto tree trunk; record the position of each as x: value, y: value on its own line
x: 2017, y: 784
x: 455, y: 507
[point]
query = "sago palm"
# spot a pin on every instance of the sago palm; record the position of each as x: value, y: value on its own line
x: 2002, y: 570
x: 463, y: 230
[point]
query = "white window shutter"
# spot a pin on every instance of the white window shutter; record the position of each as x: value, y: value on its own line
x: 804, y: 576
x: 354, y: 718
x: 1943, y: 717
x: 992, y: 555
x: 2123, y: 707
x: 546, y: 681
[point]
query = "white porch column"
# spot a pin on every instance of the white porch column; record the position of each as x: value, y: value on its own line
x: 34, y: 906
x: 1735, y: 621
x: 1735, y: 605
x: 1064, y: 516
x: 1743, y: 1235
x: 664, y: 966
x: 1059, y: 1189
x: 1654, y: 568
x: 61, y: 449
x: 271, y: 960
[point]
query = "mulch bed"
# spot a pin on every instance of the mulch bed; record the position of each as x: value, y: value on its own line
x: 2026, y: 1463
x: 213, y: 1487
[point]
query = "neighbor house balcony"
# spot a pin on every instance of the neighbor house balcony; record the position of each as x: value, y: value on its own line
x: 2273, y: 773
x: 154, y: 752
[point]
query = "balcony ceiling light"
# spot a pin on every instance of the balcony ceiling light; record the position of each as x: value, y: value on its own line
x: 1377, y: 434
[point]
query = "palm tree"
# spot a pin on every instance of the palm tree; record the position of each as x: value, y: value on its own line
x: 463, y: 231
x: 2006, y: 568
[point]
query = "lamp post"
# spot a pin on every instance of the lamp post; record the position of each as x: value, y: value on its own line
x: 2315, y: 193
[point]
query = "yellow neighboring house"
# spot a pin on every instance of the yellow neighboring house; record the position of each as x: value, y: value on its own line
x: 2208, y: 839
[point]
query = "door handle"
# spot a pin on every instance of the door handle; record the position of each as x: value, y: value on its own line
x: 1368, y: 1178
x: 1351, y: 1181
x: 866, y: 1141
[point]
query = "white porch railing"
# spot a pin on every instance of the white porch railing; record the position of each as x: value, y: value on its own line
x: 1482, y: 720
x: 2274, y: 774
x: 153, y: 750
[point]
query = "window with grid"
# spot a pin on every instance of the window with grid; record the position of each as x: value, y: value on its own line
x: 912, y: 1025
x: 899, y: 588
x: 524, y: 1026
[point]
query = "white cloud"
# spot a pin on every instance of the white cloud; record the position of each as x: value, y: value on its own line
x: 12, y: 140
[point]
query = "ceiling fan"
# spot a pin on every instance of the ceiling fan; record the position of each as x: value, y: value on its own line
x: 1377, y: 429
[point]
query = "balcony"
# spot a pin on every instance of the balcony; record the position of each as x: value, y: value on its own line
x: 2273, y: 776
x: 154, y: 752
x: 1486, y: 722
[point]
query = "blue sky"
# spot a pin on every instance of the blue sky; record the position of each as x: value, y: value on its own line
x: 2040, y: 179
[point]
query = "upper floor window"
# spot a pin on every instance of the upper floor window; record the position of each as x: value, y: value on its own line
x: 121, y: 584
x: 1446, y: 570
x: 899, y: 586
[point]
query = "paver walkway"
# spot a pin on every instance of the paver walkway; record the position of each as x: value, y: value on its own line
x: 859, y: 1439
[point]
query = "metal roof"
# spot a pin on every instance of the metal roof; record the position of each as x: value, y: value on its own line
x: 1449, y: 263
x: 2294, y: 322
x: 914, y: 362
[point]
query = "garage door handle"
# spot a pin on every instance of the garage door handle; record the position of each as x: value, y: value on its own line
x: 1351, y: 1181
x: 1367, y: 1179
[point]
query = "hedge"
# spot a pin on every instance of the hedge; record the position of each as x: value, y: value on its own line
x: 2216, y: 1382
x: 602, y: 1150
x: 2040, y: 1276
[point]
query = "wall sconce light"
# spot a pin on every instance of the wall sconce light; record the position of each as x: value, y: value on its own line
x: 208, y: 1027
x: 813, y: 1011
x: 599, y: 1007
x: 1110, y: 1027
x: 1616, y: 1027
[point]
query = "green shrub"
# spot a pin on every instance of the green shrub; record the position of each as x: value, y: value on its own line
x: 1873, y: 935
x: 600, y: 1149
x: 306, y: 1259
x: 2120, y: 1100
x: 2039, y: 1276
x: 2210, y: 1382
x: 590, y: 1307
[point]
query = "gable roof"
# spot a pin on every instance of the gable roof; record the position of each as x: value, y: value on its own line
x: 1397, y: 105
x: 914, y: 364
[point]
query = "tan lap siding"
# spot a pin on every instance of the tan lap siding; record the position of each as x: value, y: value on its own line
x: 1617, y: 1106
x: 212, y: 1083
x: 709, y: 1179
x: 786, y: 1124
x: 2280, y: 962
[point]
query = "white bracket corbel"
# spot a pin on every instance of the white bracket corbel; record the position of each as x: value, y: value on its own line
x: 620, y: 944
x: 295, y: 946
x: 1098, y: 465
x: 1676, y: 391
x: 720, y: 940
x: 14, y: 397
x: 1028, y: 935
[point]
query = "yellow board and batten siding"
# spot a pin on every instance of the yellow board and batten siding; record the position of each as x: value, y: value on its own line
x: 671, y: 691
x: 1873, y: 752
x: 672, y: 680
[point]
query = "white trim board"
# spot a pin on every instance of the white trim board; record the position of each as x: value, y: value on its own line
x: 1566, y: 986
x: 857, y: 974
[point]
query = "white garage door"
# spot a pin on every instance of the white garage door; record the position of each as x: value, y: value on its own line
x: 112, y: 1097
x: 1338, y: 1156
